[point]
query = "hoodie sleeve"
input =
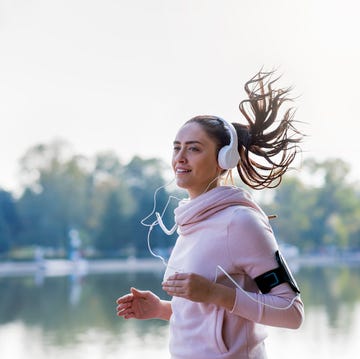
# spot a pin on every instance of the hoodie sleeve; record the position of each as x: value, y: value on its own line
x: 252, y: 247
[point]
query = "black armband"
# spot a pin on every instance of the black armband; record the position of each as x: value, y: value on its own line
x: 274, y: 277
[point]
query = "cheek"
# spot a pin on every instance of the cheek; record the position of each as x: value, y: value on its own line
x: 173, y: 162
x: 212, y: 161
x: 210, y: 168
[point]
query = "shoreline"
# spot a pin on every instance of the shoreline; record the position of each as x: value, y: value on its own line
x: 60, y: 267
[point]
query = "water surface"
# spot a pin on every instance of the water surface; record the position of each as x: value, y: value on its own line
x: 74, y: 317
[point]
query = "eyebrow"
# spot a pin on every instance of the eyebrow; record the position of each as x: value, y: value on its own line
x: 187, y: 142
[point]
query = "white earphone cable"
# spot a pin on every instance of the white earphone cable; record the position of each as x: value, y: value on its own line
x: 158, y: 221
x: 252, y: 298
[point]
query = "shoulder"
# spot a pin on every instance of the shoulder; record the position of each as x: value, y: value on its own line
x: 249, y: 219
x: 250, y: 233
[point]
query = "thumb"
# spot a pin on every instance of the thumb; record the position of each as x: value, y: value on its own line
x: 136, y: 293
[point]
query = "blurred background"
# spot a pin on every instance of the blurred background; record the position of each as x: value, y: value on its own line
x: 91, y: 97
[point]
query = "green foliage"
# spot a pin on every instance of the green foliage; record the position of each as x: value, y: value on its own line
x: 9, y: 221
x: 318, y: 216
x: 114, y: 232
x: 57, y: 199
x: 5, y: 237
x: 143, y: 178
x: 100, y: 197
x: 105, y: 201
x: 293, y: 203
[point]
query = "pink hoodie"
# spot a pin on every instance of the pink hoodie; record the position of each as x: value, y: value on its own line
x: 226, y: 227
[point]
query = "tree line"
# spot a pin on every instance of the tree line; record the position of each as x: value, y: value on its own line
x: 105, y: 200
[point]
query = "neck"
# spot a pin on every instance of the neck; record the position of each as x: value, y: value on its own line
x: 214, y: 183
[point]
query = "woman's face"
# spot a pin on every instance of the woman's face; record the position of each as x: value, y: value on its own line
x: 194, y: 160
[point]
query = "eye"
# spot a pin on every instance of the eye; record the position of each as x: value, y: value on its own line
x: 193, y: 149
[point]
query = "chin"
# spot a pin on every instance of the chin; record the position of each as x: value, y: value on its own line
x: 181, y: 184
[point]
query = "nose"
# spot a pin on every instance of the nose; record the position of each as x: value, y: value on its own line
x: 179, y: 156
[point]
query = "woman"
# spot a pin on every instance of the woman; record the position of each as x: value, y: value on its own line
x: 225, y: 275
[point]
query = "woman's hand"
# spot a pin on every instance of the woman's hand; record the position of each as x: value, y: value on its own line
x: 190, y: 286
x: 199, y: 289
x: 142, y: 305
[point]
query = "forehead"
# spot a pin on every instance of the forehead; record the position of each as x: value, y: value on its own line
x: 192, y: 132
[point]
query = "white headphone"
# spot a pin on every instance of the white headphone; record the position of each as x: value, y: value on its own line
x: 228, y: 156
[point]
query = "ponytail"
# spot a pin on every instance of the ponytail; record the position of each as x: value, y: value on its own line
x: 267, y: 145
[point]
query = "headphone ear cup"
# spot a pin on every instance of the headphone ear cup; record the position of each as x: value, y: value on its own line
x: 228, y: 158
x: 222, y: 158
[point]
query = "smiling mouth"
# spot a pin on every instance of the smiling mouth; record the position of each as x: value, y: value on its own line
x: 179, y: 171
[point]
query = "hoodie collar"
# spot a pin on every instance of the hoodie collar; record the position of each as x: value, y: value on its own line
x: 191, y: 211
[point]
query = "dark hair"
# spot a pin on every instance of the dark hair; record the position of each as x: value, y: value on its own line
x: 267, y: 145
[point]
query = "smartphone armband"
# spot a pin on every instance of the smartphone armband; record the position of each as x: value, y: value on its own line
x: 274, y: 277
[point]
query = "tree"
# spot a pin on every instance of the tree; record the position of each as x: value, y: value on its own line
x: 9, y: 221
x: 339, y: 202
x: 293, y: 204
x: 323, y: 212
x: 144, y: 178
x: 114, y: 230
x: 55, y: 198
x: 106, y: 202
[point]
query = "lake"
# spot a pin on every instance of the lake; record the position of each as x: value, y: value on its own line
x: 74, y: 316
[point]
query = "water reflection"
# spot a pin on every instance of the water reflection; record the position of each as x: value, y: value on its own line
x: 332, y: 316
x: 74, y: 316
x: 336, y: 290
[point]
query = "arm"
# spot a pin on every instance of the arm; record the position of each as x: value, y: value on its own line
x: 280, y: 307
x: 251, y: 248
x: 143, y: 305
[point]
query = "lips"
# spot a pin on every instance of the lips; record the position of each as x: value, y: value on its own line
x: 182, y: 170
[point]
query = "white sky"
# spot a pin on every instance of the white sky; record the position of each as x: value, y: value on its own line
x: 124, y: 75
